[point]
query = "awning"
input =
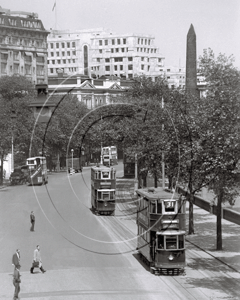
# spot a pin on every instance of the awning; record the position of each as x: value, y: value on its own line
x: 40, y: 54
x: 4, y: 52
x: 28, y: 53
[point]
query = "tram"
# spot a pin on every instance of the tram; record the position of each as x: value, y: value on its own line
x: 161, y: 222
x: 109, y: 155
x: 103, y: 188
x: 37, y: 170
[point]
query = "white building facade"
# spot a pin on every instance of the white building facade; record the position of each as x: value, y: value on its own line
x: 97, y: 52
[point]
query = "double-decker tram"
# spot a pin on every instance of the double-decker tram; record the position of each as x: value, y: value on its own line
x: 37, y: 170
x: 103, y: 188
x: 161, y: 221
x: 109, y: 156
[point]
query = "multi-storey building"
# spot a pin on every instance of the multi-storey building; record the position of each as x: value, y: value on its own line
x: 96, y: 52
x: 23, y: 45
x: 175, y: 76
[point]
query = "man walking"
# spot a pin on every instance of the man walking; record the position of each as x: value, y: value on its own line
x: 16, y: 281
x: 16, y: 258
x: 37, y: 261
x: 32, y: 220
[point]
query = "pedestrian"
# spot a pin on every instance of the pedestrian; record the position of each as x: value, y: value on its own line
x: 16, y: 258
x: 37, y: 261
x: 32, y: 220
x: 16, y: 281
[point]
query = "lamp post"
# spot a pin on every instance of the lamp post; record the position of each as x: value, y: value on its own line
x: 72, y: 159
x: 13, y: 118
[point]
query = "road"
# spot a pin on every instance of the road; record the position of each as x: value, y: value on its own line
x: 89, y: 256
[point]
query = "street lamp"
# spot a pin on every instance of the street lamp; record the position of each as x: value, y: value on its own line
x: 13, y: 117
x: 72, y: 159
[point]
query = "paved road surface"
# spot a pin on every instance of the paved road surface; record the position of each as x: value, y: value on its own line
x: 92, y: 257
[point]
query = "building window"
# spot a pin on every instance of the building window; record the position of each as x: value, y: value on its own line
x: 159, y: 60
x: 73, y: 60
x: 100, y: 50
x: 73, y: 44
x: 168, y: 70
x: 130, y: 67
x: 40, y: 59
x: 53, y: 62
x: 107, y: 60
x: 138, y: 41
x: 115, y: 68
x: 148, y: 42
x: 85, y: 57
x: 100, y: 42
x: 74, y: 52
x: 28, y: 70
x: 69, y: 61
x: 130, y: 58
x: 118, y: 41
x: 112, y: 50
x: 57, y: 45
x: 142, y: 58
x: 52, y: 53
x: 57, y: 53
x: 51, y: 70
x: 68, y: 53
x: 113, y: 42
x: 15, y: 55
x: 59, y: 61
x: 40, y: 70
x: 116, y: 49
x: 63, y: 45
x: 98, y: 59
x: 142, y: 67
x: 124, y: 41
x: 68, y: 44
x: 123, y: 49
x: 121, y: 67
x: 16, y: 68
x: 130, y: 76
x: 107, y: 68
x: 63, y: 53
x: 106, y: 42
x: 64, y: 61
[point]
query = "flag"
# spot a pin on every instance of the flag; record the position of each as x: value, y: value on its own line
x: 54, y: 6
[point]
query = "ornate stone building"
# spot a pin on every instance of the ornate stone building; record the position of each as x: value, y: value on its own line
x: 23, y: 45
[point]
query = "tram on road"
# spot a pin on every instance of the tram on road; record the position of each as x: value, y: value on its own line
x: 109, y: 155
x: 103, y: 189
x: 161, y: 222
x: 37, y: 170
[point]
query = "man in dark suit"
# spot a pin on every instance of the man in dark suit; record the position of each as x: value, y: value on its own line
x: 16, y: 258
x: 16, y: 281
x: 32, y: 220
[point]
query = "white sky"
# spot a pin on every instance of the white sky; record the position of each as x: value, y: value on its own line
x: 216, y: 22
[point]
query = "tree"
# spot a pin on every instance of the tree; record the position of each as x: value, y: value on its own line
x: 16, y: 92
x: 222, y: 142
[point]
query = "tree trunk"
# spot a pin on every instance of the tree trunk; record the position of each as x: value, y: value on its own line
x: 155, y: 181
x: 1, y: 171
x: 219, y: 221
x: 191, y: 225
x: 170, y: 182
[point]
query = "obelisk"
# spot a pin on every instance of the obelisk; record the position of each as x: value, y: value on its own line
x: 191, y: 62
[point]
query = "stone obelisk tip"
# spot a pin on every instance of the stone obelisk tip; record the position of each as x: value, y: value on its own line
x: 191, y: 62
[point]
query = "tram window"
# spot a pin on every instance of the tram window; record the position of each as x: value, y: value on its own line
x: 160, y: 242
x: 180, y: 241
x: 99, y: 195
x: 159, y: 207
x: 171, y: 242
x: 112, y: 195
x: 31, y: 162
x: 153, y: 207
x: 105, y: 196
x: 105, y: 175
x: 169, y: 206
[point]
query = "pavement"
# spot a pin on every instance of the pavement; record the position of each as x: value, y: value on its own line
x: 72, y: 284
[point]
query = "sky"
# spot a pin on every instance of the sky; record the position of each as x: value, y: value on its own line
x: 216, y: 22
